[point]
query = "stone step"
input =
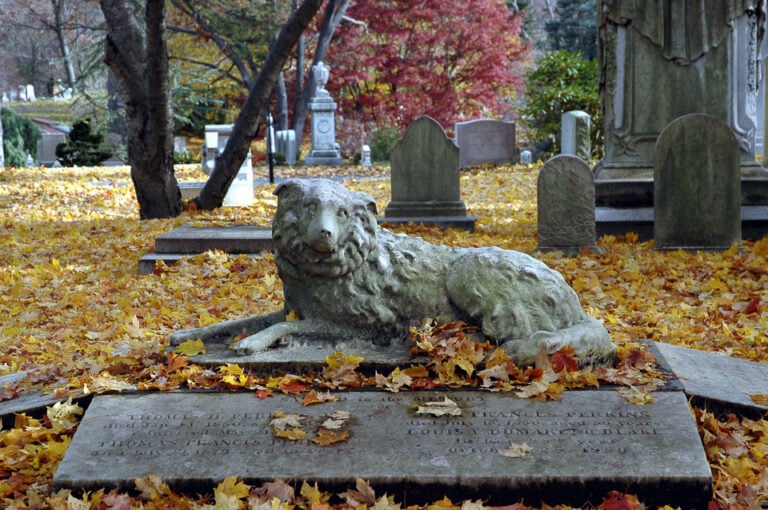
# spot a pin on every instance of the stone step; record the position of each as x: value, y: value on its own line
x: 573, y: 451
x: 190, y: 240
x: 619, y: 221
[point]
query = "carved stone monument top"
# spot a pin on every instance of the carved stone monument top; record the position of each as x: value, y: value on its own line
x: 321, y: 72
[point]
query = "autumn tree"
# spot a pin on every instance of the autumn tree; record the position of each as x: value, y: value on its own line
x: 247, y: 123
x: 137, y: 53
x: 50, y: 39
x: 451, y: 60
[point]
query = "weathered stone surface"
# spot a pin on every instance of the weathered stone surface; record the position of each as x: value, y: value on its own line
x: 485, y: 142
x: 697, y: 189
x: 575, y: 138
x: 229, y: 239
x: 662, y: 60
x: 566, y: 205
x: 588, y: 444
x: 720, y: 380
x: 425, y: 175
x: 351, y: 282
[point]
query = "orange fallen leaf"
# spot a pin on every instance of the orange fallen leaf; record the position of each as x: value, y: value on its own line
x: 327, y: 437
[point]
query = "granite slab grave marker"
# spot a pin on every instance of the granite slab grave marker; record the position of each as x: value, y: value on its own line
x: 719, y: 380
x: 485, y: 142
x: 566, y: 205
x: 697, y: 188
x: 46, y: 147
x: 581, y: 448
x: 575, y: 134
x: 425, y: 178
x: 286, y: 145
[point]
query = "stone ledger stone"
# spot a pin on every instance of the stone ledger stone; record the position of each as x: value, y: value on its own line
x: 485, y: 142
x: 697, y: 186
x: 566, y: 205
x: 582, y: 447
x: 425, y: 178
x: 719, y: 380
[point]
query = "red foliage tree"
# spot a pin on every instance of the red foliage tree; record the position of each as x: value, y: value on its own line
x: 450, y: 59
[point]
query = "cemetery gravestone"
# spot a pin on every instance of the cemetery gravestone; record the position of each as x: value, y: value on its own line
x: 566, y: 205
x: 697, y: 185
x: 46, y: 147
x: 425, y: 178
x: 578, y: 449
x: 575, y: 134
x: 325, y: 151
x: 526, y: 157
x: 485, y: 142
x: 286, y: 145
x: 663, y: 60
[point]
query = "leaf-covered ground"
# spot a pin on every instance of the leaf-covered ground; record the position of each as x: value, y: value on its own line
x: 77, y: 318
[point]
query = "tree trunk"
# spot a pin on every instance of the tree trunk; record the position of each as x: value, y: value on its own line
x: 281, y: 100
x: 247, y: 123
x: 334, y: 13
x: 140, y: 64
x: 66, y: 53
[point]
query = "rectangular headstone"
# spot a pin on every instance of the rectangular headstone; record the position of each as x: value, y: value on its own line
x: 575, y: 136
x: 566, y: 205
x: 46, y: 147
x: 697, y: 185
x: 425, y: 178
x: 720, y: 380
x: 485, y: 142
x: 588, y: 444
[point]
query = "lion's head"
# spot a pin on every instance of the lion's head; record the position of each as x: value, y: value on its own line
x: 321, y: 228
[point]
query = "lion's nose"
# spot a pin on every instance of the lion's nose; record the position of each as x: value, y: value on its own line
x: 324, y: 241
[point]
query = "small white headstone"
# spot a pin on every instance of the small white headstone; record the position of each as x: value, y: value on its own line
x: 6, y: 99
x: 31, y: 92
x: 240, y: 192
x: 179, y: 144
x: 526, y: 158
x: 366, y: 156
x: 574, y: 134
x: 286, y: 145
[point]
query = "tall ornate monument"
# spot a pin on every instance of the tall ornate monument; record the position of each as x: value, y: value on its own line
x: 662, y: 59
x: 323, y: 108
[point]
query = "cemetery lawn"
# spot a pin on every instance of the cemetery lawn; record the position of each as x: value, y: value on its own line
x: 77, y: 319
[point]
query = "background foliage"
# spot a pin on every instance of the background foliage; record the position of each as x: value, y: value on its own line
x: 20, y: 137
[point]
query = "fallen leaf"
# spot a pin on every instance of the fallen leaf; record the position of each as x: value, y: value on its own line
x: 516, y: 450
x: 327, y: 437
x: 191, y: 348
x: 760, y: 398
x: 362, y: 494
x: 445, y: 408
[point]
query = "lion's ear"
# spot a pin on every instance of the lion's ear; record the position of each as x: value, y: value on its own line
x: 367, y: 200
x: 288, y: 185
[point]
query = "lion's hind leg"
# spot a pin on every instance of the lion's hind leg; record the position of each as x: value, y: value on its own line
x: 227, y: 330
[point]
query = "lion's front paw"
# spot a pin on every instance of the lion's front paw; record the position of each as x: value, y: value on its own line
x: 254, y: 344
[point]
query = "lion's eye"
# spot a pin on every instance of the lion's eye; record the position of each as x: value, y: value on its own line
x: 343, y: 213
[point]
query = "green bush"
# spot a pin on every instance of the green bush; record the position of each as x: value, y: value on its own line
x: 20, y: 137
x: 85, y: 146
x: 382, y: 143
x: 562, y: 82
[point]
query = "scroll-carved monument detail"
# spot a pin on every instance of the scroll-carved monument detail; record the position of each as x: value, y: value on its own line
x: 349, y: 280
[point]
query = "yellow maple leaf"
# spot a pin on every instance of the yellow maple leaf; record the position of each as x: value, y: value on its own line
x: 294, y: 434
x: 233, y: 486
x: 445, y: 408
x: 327, y: 437
x: 63, y: 415
x: 191, y: 347
x: 760, y: 398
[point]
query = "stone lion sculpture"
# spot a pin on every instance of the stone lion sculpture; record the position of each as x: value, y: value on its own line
x: 349, y: 280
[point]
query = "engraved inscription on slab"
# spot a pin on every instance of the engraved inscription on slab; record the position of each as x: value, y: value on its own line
x: 590, y: 443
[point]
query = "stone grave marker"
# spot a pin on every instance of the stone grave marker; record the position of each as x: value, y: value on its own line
x: 697, y: 185
x: 580, y: 448
x: 425, y: 179
x: 188, y: 240
x: 485, y: 142
x: 566, y: 205
x: 575, y: 134
x: 325, y: 150
x: 286, y: 145
x: 46, y: 147
x: 526, y: 157
x: 719, y: 380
